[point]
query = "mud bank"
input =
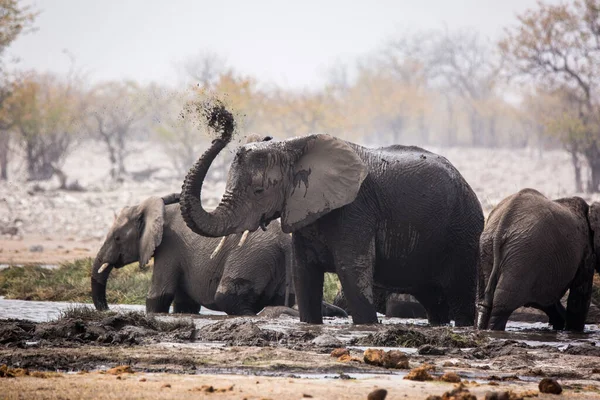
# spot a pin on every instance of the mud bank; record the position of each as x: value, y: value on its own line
x: 219, y: 351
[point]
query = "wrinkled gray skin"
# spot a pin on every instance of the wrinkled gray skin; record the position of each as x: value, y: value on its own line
x: 393, y: 305
x: 399, y: 218
x: 239, y: 280
x: 532, y: 251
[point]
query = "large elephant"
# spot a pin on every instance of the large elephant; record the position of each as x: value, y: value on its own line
x: 397, y: 217
x: 532, y: 251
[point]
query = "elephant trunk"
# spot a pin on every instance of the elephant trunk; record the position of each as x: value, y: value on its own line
x: 219, y: 222
x: 100, y: 272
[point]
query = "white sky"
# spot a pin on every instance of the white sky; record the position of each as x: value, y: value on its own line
x: 288, y: 43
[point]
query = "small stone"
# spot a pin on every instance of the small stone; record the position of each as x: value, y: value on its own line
x: 420, y: 373
x: 373, y: 357
x: 307, y: 396
x: 377, y: 394
x: 395, y: 359
x: 143, y: 380
x: 166, y: 385
x: 341, y: 351
x: 326, y: 340
x: 38, y: 248
x: 497, y: 396
x: 429, y: 350
x: 549, y: 385
x: 450, y: 377
x: 121, y: 369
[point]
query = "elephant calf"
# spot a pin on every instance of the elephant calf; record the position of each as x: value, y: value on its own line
x: 238, y: 279
x: 532, y: 251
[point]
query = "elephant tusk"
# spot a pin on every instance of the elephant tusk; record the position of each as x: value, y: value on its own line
x: 102, y: 268
x: 243, y: 239
x: 218, y: 248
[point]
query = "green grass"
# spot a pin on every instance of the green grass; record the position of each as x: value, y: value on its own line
x: 71, y: 282
x: 331, y: 285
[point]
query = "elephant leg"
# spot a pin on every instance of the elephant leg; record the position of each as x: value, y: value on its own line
x: 580, y: 295
x: 556, y: 315
x: 461, y: 291
x: 184, y: 304
x: 354, y: 267
x: 162, y: 288
x: 435, y: 304
x: 308, y: 281
x: 498, y: 319
x: 160, y: 303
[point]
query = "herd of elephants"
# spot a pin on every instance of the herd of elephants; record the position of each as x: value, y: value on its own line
x: 390, y: 222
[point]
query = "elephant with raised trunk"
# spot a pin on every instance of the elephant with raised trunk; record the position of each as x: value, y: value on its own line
x: 400, y: 218
x: 239, y: 276
x: 532, y: 251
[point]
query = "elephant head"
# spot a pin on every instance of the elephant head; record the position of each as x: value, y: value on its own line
x: 297, y: 179
x: 594, y: 220
x: 134, y: 235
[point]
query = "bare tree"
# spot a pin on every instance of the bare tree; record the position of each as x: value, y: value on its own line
x: 466, y: 64
x: 558, y: 46
x: 117, y: 110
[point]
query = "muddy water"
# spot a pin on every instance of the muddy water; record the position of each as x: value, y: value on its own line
x: 533, y: 334
x: 42, y: 311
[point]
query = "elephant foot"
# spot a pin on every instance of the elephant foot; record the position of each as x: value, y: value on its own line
x: 160, y: 304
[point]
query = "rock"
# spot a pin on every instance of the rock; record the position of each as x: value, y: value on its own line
x: 373, y: 357
x: 497, y: 396
x: 278, y: 311
x: 549, y: 385
x: 377, y: 394
x: 341, y: 351
x: 121, y: 369
x: 429, y: 350
x: 395, y: 359
x: 327, y: 340
x: 459, y: 393
x: 450, y: 377
x: 37, y: 248
x: 420, y: 373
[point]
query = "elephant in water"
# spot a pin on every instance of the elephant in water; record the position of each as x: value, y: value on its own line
x: 398, y: 218
x: 240, y: 275
x: 532, y: 251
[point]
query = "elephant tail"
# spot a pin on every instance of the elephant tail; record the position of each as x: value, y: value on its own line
x: 487, y: 300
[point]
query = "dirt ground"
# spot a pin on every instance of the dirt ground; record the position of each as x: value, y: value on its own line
x: 259, y: 358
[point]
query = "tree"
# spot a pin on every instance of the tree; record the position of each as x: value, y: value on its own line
x: 558, y: 47
x: 14, y: 20
x: 46, y: 113
x: 118, y: 107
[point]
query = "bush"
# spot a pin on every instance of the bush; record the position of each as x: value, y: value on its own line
x: 331, y: 285
x: 71, y: 282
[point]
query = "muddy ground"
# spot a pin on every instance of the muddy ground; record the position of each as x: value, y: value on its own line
x: 288, y: 359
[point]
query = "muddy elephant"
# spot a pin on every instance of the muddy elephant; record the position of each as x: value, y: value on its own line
x: 393, y: 305
x: 400, y: 218
x: 532, y: 251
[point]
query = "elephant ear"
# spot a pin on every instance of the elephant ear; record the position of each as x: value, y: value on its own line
x: 594, y: 219
x: 326, y: 175
x: 152, y: 217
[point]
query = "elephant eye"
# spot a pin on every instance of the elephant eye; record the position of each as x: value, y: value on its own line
x: 117, y: 238
x: 259, y: 190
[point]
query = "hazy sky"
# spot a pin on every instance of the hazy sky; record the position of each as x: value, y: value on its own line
x: 291, y: 43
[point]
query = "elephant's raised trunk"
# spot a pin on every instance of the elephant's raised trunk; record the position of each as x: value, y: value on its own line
x: 100, y: 272
x: 220, y: 221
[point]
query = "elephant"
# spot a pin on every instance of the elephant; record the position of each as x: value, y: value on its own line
x: 532, y: 251
x: 239, y: 276
x: 398, y: 217
x: 393, y: 305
